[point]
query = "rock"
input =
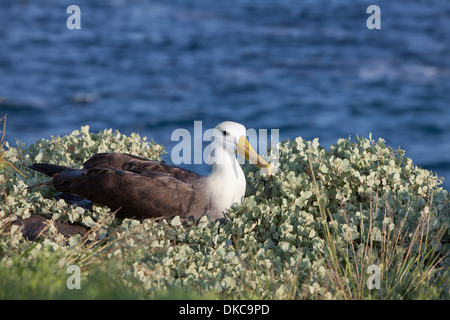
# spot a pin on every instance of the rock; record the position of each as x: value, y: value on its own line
x: 32, y: 227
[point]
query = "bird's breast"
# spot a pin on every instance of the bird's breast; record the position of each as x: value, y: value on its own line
x: 225, y: 191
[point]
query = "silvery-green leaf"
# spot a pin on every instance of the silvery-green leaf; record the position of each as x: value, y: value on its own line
x: 176, y: 221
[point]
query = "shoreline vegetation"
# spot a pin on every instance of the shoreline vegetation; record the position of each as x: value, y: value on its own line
x: 355, y: 221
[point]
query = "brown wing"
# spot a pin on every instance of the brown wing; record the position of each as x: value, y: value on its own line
x: 137, y: 164
x: 150, y: 194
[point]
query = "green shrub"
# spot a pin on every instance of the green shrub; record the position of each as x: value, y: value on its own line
x: 309, y: 231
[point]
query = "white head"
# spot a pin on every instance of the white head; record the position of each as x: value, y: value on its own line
x: 229, y: 138
x: 227, y: 181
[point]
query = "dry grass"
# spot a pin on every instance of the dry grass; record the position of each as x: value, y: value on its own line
x: 2, y: 144
x: 407, y: 261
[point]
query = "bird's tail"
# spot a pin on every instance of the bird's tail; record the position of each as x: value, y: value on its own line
x: 49, y: 169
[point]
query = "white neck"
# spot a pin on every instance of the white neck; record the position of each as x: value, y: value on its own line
x: 226, y: 182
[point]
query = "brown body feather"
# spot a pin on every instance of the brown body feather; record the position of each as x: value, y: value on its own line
x: 135, y: 187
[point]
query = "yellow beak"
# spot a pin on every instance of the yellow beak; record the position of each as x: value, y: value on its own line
x: 245, y: 150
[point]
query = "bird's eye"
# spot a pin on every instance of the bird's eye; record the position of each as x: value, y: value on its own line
x: 225, y: 133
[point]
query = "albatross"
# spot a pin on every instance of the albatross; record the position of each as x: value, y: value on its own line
x: 139, y: 188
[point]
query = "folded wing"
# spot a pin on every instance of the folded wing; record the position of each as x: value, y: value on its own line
x: 137, y: 164
x: 135, y: 187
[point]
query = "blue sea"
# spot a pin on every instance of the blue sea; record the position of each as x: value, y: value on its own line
x: 309, y: 68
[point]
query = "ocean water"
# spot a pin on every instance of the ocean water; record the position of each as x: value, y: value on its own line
x: 308, y: 68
